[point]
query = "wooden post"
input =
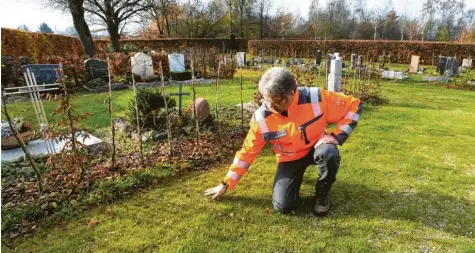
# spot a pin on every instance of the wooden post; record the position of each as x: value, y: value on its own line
x: 110, y: 114
x: 137, y: 115
x: 168, y: 122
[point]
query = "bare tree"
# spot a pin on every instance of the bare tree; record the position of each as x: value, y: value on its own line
x: 160, y: 12
x: 263, y: 7
x: 114, y: 14
x: 377, y: 19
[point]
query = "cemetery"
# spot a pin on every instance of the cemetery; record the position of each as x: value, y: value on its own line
x: 112, y: 153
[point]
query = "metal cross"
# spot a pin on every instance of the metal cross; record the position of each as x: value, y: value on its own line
x: 180, y: 94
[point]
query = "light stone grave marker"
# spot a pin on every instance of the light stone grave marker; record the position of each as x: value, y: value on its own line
x: 142, y: 65
x: 414, y: 67
x: 334, y: 77
x: 241, y: 59
x: 391, y: 74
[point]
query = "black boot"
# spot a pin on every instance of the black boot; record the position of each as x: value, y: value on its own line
x: 322, y: 205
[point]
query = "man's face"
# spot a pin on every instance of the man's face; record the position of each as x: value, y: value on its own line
x: 278, y: 103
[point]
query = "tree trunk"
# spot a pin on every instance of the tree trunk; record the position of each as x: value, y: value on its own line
x: 168, y: 25
x: 374, y: 38
x: 230, y: 17
x: 114, y: 35
x: 77, y: 12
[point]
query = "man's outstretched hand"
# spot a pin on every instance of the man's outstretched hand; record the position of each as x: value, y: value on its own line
x: 216, y: 191
x: 326, y: 139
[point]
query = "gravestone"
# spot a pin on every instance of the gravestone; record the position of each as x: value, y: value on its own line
x: 241, y: 59
x: 202, y: 109
x: 467, y: 63
x: 24, y: 60
x: 353, y: 61
x: 38, y: 147
x: 359, y: 62
x: 258, y: 60
x: 452, y: 66
x: 96, y: 69
x: 142, y: 65
x: 441, y: 79
x: 414, y: 67
x: 441, y: 65
x: 330, y: 57
x: 44, y: 73
x: 391, y: 74
x: 180, y: 94
x: 318, y: 58
x: 8, y: 68
x: 334, y: 77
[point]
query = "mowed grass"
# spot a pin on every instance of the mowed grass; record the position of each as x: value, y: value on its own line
x: 406, y: 184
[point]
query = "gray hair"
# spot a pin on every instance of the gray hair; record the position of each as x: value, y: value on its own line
x: 277, y: 81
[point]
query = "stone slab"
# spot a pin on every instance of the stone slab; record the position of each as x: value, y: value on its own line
x: 38, y: 147
x: 442, y: 79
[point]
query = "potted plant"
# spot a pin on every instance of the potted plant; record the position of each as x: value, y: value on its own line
x: 24, y: 129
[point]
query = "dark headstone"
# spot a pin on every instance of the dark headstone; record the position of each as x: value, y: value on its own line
x: 441, y: 65
x: 96, y: 69
x: 8, y: 68
x: 44, y: 73
x: 353, y: 61
x: 318, y: 58
x: 359, y: 63
x: 25, y: 60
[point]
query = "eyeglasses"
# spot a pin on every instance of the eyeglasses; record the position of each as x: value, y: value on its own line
x: 278, y: 103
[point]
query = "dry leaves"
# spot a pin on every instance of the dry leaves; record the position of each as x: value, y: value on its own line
x: 91, y: 223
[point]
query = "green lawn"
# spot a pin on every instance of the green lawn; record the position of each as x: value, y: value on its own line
x: 406, y: 184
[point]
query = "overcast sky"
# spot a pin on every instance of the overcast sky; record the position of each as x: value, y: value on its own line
x: 31, y: 13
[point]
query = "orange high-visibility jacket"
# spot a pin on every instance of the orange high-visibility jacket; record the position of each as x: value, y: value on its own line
x: 294, y: 136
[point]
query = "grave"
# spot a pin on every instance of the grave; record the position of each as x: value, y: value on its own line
x: 44, y: 73
x: 359, y: 62
x: 330, y: 57
x: 241, y: 59
x: 382, y: 59
x: 391, y: 74
x: 38, y: 147
x: 142, y: 65
x: 96, y: 69
x: 414, y: 67
x: 296, y: 61
x: 25, y: 60
x: 353, y: 61
x: 441, y: 79
x: 180, y: 94
x: 441, y: 65
x: 318, y: 58
x: 8, y: 67
x: 467, y: 63
x: 202, y: 109
x: 334, y: 77
x: 452, y: 67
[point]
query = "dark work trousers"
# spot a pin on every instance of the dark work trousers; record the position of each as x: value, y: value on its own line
x: 287, y: 181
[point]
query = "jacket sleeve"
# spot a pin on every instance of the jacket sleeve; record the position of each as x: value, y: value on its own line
x: 343, y: 110
x: 252, y: 146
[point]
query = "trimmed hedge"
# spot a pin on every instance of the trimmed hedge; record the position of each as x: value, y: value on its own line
x: 402, y: 50
x: 38, y: 46
x: 173, y: 44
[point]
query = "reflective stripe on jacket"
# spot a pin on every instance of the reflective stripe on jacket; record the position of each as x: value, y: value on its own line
x: 293, y: 136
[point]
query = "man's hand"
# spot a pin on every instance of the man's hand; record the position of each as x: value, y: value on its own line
x: 216, y: 191
x: 326, y: 139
